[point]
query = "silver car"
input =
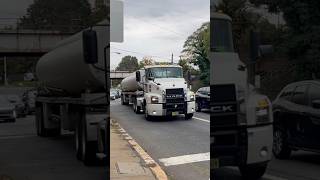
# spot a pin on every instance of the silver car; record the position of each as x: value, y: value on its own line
x: 7, y: 110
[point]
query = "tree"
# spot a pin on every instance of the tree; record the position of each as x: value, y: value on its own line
x: 196, y: 51
x: 302, y: 40
x: 100, y: 12
x: 128, y: 63
x: 71, y: 15
x: 146, y: 61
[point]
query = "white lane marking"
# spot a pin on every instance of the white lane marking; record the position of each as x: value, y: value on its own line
x: 200, y: 119
x: 185, y: 159
x: 268, y: 176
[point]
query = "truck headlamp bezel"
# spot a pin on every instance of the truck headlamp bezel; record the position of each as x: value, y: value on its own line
x: 154, y: 99
x: 263, y: 112
x: 192, y: 97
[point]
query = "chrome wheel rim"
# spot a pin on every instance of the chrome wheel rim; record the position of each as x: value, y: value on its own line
x: 277, y: 142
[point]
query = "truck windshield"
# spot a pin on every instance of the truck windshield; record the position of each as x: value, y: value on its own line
x: 165, y: 72
x: 221, y: 36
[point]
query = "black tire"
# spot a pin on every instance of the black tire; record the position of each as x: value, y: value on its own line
x: 77, y: 138
x: 252, y: 172
x: 138, y: 111
x: 40, y: 128
x: 280, y: 149
x: 148, y: 117
x: 88, y: 149
x: 39, y: 119
x: 136, y: 108
x: 198, y: 107
x: 123, y: 102
x: 188, y: 116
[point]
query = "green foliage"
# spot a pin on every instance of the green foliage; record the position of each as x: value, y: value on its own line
x: 128, y: 63
x: 302, y: 40
x: 62, y: 15
x: 146, y: 61
x: 196, y: 51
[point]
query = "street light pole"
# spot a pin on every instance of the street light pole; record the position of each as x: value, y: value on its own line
x: 172, y: 58
x: 5, y: 70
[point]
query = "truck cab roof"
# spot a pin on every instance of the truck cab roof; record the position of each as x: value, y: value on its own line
x: 159, y: 66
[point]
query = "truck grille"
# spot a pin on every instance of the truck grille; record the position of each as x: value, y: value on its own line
x: 224, y: 106
x: 175, y: 95
x: 175, y: 101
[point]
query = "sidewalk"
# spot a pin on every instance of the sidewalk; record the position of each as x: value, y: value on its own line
x: 125, y: 164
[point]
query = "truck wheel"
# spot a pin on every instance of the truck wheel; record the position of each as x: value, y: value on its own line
x: 39, y: 119
x: 253, y: 172
x: 41, y: 130
x: 77, y: 138
x: 281, y: 149
x: 188, y: 116
x: 88, y: 148
x: 198, y: 107
x: 147, y: 116
x: 136, y: 108
x: 123, y: 102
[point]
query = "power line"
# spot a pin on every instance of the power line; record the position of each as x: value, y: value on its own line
x: 144, y: 54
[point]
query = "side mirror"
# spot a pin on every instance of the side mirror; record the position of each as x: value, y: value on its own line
x: 90, y: 46
x: 316, y: 104
x: 151, y: 78
x: 138, y: 76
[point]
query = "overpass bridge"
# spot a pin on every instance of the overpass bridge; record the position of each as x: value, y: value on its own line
x: 119, y: 74
x: 25, y: 43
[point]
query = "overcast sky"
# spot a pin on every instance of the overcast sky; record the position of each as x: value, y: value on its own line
x: 158, y: 28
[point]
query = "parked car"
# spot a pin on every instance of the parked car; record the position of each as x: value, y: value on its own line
x: 115, y: 92
x: 297, y: 118
x: 113, y: 95
x: 7, y: 110
x: 28, y: 98
x: 203, y: 99
x: 19, y: 105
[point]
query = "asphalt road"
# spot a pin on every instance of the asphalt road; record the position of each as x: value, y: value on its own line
x: 24, y: 156
x: 174, y: 139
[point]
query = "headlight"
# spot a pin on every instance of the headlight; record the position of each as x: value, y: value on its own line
x: 262, y: 111
x: 154, y: 99
x: 192, y: 97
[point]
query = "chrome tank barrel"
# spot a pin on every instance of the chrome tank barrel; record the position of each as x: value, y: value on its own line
x: 130, y: 84
x: 64, y: 67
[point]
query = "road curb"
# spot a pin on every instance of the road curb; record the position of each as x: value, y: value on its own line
x: 155, y: 168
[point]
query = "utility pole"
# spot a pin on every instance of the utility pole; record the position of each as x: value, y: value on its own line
x: 172, y: 58
x: 5, y: 70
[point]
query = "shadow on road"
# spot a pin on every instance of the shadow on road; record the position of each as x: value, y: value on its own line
x: 226, y: 174
x: 306, y: 157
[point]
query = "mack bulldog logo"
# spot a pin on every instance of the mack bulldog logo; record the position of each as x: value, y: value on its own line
x: 223, y: 108
x: 174, y: 95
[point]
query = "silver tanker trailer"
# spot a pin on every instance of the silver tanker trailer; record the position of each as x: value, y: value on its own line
x: 73, y: 92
